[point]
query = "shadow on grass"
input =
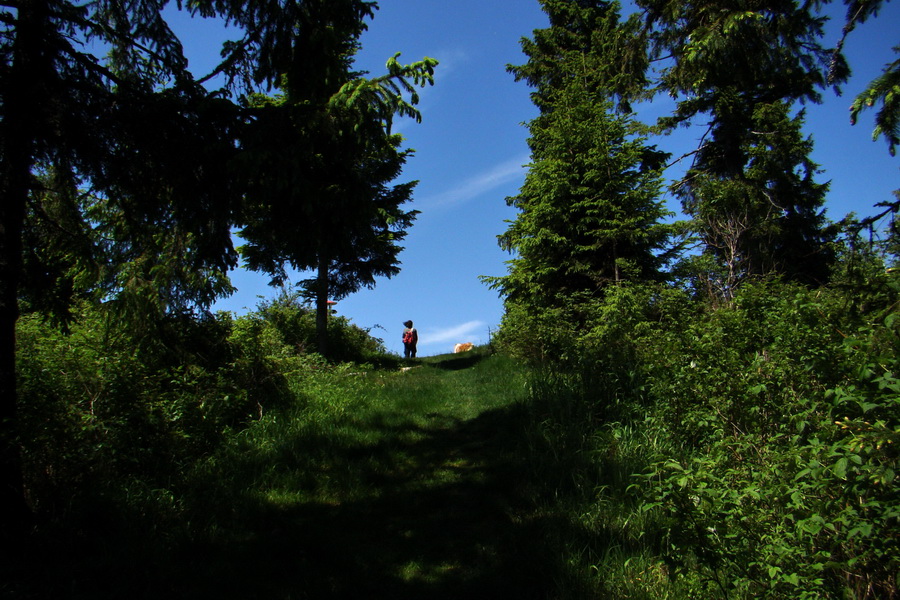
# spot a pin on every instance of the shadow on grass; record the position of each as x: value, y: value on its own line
x: 446, y: 521
x: 436, y: 511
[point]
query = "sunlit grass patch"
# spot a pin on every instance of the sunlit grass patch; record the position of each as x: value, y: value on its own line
x: 284, y: 498
x: 415, y: 571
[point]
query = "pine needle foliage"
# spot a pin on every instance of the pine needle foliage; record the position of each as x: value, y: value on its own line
x: 589, y: 210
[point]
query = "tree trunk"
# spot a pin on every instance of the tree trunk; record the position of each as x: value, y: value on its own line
x: 616, y: 262
x: 322, y: 306
x: 21, y: 117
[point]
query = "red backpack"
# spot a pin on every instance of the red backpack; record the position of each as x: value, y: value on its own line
x: 408, y: 336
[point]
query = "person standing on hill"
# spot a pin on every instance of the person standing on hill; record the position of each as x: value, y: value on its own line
x: 410, y: 339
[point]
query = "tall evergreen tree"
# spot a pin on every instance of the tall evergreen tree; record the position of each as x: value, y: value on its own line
x: 743, y: 65
x: 769, y: 218
x: 152, y: 149
x: 325, y: 202
x: 590, y: 209
x: 322, y: 160
x: 116, y: 127
x: 886, y: 89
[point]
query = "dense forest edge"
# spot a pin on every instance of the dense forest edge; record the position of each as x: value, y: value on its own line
x: 703, y: 408
x: 731, y: 451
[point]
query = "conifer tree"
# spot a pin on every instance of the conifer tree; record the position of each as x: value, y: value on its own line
x: 152, y: 149
x: 321, y: 159
x: 121, y: 128
x: 885, y: 89
x: 590, y: 207
x: 769, y: 217
x: 742, y: 68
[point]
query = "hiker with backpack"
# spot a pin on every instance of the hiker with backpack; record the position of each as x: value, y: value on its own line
x: 410, y: 339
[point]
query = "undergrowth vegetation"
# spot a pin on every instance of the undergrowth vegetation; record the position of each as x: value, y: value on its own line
x: 745, y: 449
x: 115, y: 414
x: 666, y: 447
x: 219, y: 458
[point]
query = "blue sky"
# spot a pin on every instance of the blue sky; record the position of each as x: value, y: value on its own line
x: 471, y: 152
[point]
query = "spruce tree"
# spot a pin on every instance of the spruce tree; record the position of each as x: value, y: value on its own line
x: 590, y: 209
x: 884, y: 89
x: 134, y: 130
x: 769, y: 217
x: 320, y: 160
x: 739, y: 69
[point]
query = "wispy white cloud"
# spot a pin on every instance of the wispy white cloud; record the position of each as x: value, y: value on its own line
x: 449, y: 60
x: 456, y: 334
x: 480, y: 183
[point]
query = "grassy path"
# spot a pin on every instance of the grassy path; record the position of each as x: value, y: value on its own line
x: 413, y: 489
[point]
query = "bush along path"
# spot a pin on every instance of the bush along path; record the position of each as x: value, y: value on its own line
x: 383, y: 485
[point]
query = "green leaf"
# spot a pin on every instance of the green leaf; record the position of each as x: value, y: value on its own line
x: 861, y: 530
x: 840, y: 468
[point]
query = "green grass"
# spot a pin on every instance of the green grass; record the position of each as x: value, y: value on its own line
x: 409, y: 489
x: 453, y: 478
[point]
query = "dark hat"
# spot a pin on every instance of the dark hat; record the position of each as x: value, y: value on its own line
x: 407, y: 323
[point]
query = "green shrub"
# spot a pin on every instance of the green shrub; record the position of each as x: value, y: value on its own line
x: 295, y: 321
x: 762, y: 432
x: 109, y: 410
x: 778, y: 484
